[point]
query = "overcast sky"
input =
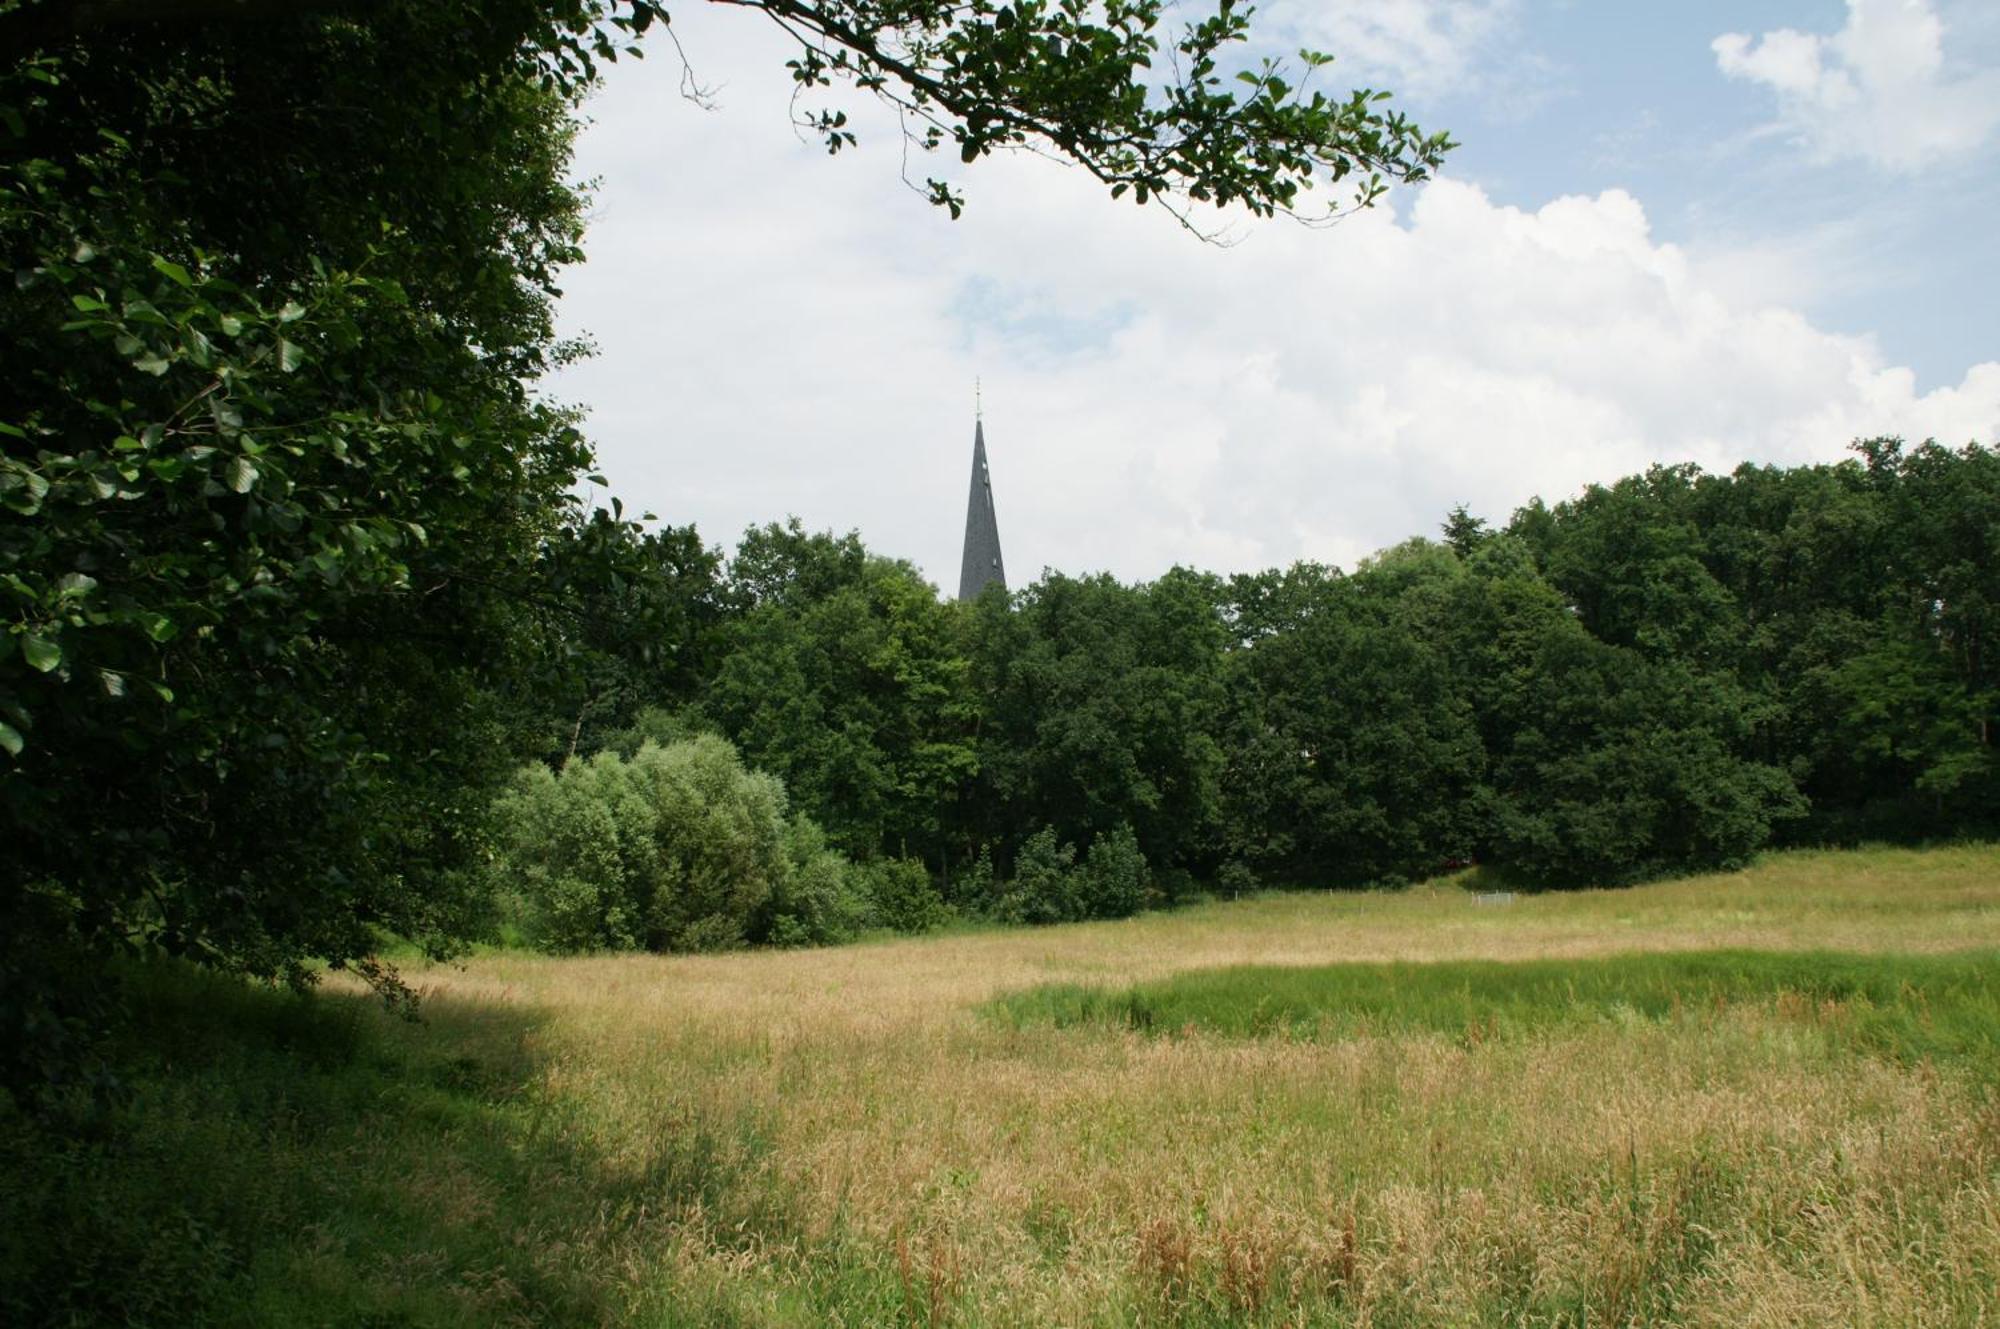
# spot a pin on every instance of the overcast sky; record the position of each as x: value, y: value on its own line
x: 1715, y: 232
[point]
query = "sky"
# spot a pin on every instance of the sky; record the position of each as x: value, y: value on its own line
x: 1706, y: 232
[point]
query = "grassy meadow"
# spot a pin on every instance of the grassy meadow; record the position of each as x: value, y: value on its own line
x: 1764, y: 1098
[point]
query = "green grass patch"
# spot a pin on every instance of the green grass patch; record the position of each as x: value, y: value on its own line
x: 1910, y: 1007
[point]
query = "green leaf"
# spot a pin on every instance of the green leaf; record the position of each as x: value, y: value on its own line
x: 173, y: 272
x: 290, y: 355
x: 87, y: 304
x: 292, y: 312
x: 231, y: 325
x: 75, y: 583
x: 40, y: 653
x: 159, y: 627
x: 241, y: 475
x: 10, y: 739
x: 152, y: 364
x: 112, y: 681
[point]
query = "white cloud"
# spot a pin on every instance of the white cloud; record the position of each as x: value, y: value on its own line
x: 1423, y: 48
x: 784, y: 333
x: 1879, y: 89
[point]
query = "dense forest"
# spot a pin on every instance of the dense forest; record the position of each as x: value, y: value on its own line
x: 1663, y: 674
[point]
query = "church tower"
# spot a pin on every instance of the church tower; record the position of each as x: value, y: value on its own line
x: 981, y: 566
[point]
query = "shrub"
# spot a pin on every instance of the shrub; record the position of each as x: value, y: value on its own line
x: 559, y: 871
x: 823, y: 898
x: 1050, y: 886
x: 902, y: 893
x: 678, y: 848
x: 977, y: 889
x: 1114, y: 879
x: 1044, y: 886
x: 1237, y: 879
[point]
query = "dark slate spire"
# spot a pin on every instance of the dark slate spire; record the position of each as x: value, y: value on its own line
x: 982, y: 532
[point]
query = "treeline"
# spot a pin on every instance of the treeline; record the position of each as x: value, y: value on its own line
x: 1664, y: 674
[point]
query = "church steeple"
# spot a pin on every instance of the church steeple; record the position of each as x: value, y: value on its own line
x: 981, y: 566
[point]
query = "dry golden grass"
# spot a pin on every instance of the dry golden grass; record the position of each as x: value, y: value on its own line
x: 872, y: 1148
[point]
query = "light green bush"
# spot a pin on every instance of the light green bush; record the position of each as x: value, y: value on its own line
x: 823, y: 898
x: 678, y: 848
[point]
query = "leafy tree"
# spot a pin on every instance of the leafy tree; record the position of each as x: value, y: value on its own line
x: 1843, y: 608
x: 274, y: 485
x: 1631, y: 557
x: 1607, y: 767
x: 1902, y: 743
x: 634, y: 615
x: 845, y: 678
x: 1463, y: 532
x: 1080, y: 79
x: 1946, y: 513
x: 1103, y: 704
x: 1908, y: 726
x: 790, y: 567
x: 1353, y: 752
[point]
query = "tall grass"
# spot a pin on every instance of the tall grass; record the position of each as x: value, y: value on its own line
x: 849, y: 1136
x: 272, y: 1160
